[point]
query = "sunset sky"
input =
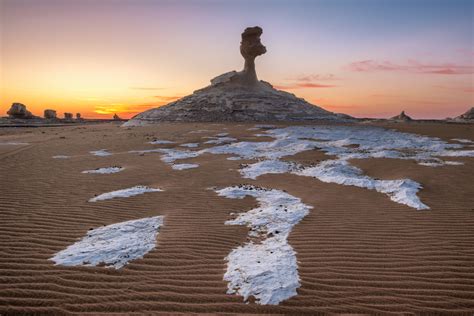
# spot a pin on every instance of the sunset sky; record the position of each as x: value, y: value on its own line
x: 360, y: 57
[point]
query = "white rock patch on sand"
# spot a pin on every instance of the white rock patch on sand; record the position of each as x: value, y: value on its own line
x: 113, y: 245
x: 220, y: 140
x: 14, y: 144
x: 136, y: 190
x: 105, y: 170
x: 267, y: 270
x: 190, y: 145
x: 161, y: 142
x: 101, y: 153
x: 462, y: 140
x: 184, y: 166
x: 61, y: 157
x: 402, y: 191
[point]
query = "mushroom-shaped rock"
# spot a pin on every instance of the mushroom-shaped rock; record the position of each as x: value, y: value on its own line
x: 401, y: 117
x: 468, y: 115
x: 116, y: 117
x: 78, y: 116
x: 68, y: 116
x: 50, y: 114
x: 18, y: 110
x: 238, y: 96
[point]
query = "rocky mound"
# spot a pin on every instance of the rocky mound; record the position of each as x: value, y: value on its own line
x: 19, y: 111
x: 401, y: 117
x: 468, y: 115
x: 238, y: 96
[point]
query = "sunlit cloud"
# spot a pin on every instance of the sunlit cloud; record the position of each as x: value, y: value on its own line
x: 308, y: 81
x: 459, y: 88
x: 315, y: 77
x: 163, y: 98
x: 411, y: 66
x: 146, y: 88
x: 303, y: 85
x: 113, y: 108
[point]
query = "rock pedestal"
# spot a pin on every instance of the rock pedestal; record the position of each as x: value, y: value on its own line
x: 238, y: 96
x: 68, y: 116
x: 50, y: 114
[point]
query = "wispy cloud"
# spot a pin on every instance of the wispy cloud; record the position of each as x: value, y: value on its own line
x: 163, y: 98
x: 456, y: 87
x: 315, y: 77
x: 303, y: 85
x: 411, y: 66
x: 112, y: 108
x: 308, y: 81
x: 146, y: 88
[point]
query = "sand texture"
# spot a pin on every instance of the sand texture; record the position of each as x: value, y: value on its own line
x: 357, y: 251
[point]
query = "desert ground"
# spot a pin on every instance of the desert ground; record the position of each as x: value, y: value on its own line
x: 358, y: 251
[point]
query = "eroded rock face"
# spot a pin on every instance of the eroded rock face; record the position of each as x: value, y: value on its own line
x: 18, y: 110
x: 250, y: 48
x: 468, y: 115
x: 50, y: 114
x: 238, y: 96
x: 401, y: 117
x: 78, y: 116
x: 68, y: 116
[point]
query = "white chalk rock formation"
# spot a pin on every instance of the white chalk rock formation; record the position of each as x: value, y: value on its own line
x: 401, y: 117
x: 50, y: 114
x: 18, y: 110
x: 467, y: 116
x: 238, y: 96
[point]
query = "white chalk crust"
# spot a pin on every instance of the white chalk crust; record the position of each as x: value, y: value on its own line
x: 266, y: 270
x: 101, y: 153
x: 113, y: 245
x: 136, y: 190
x: 106, y: 170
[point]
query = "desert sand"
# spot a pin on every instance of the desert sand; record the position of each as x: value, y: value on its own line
x: 357, y: 251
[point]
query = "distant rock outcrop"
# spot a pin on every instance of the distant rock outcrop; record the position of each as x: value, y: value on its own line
x: 50, y: 114
x: 238, y: 96
x: 68, y: 116
x: 78, y: 116
x: 467, y: 116
x: 116, y: 117
x: 18, y: 110
x: 401, y: 117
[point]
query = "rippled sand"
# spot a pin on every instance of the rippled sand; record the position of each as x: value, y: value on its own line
x: 357, y: 251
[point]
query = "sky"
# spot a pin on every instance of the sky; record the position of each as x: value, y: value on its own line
x: 366, y: 58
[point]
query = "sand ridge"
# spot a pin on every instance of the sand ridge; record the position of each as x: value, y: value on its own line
x: 358, y: 252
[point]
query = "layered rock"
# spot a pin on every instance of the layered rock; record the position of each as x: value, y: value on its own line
x: 401, y: 117
x: 467, y: 116
x: 50, y: 114
x: 18, y: 110
x: 238, y: 96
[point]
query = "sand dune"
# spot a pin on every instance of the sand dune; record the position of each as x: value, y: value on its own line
x: 357, y: 251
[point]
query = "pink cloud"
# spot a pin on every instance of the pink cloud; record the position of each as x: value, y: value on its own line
x: 412, y: 66
x: 456, y: 87
x: 303, y: 85
x: 315, y: 77
x: 308, y: 81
